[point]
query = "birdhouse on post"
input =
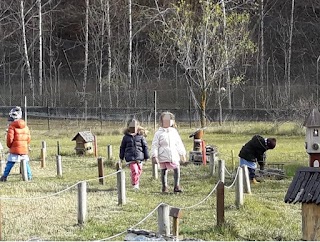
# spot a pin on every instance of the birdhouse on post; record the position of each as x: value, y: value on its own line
x: 84, y: 143
x: 312, y: 142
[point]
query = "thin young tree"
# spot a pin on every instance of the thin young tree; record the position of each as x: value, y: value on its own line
x: 25, y: 47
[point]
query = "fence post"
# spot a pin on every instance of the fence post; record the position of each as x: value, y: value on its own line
x: 121, y: 187
x: 232, y: 159
x: 221, y: 170
x: 82, y: 202
x: 163, y: 220
x: 2, y: 165
x: 246, y: 180
x: 43, y: 154
x: 212, y: 163
x: 239, y: 189
x: 109, y: 152
x: 58, y: 148
x: 176, y: 214
x: 220, y: 204
x: 95, y: 146
x: 23, y: 166
x: 59, y: 165
x: 155, y: 171
x: 100, y: 171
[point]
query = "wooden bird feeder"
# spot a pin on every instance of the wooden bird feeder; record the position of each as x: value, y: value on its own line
x: 84, y: 143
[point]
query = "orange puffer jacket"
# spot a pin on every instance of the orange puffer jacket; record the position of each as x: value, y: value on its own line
x: 18, y: 137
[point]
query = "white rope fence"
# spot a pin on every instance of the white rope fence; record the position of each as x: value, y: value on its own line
x: 239, y: 169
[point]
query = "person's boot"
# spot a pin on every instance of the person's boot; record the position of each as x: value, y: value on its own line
x: 164, y: 180
x: 254, y: 181
x: 177, y: 189
x: 165, y: 190
x: 3, y: 178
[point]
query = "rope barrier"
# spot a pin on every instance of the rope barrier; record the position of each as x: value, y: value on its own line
x: 234, y: 180
x: 54, y: 194
x: 121, y: 233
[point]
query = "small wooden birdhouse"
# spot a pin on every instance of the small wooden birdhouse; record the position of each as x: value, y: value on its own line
x: 312, y: 141
x: 305, y: 189
x: 84, y: 143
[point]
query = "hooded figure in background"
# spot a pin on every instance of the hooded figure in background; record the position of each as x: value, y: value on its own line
x: 254, y: 151
x: 18, y: 140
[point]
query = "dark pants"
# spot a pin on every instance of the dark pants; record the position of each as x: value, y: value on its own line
x: 252, y: 173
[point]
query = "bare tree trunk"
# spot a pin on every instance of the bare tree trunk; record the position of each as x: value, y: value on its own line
x: 290, y: 50
x: 109, y: 52
x: 40, y: 48
x: 31, y: 86
x: 226, y: 54
x: 130, y: 44
x: 261, y: 42
x: 86, y: 53
x: 101, y: 52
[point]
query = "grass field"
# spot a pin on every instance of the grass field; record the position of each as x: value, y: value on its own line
x: 46, y: 207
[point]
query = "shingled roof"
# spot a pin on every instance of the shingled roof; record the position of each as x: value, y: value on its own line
x: 86, y: 135
x: 313, y: 119
x: 305, y: 186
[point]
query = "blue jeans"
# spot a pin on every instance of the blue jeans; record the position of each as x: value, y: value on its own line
x: 9, y: 166
x: 251, y: 167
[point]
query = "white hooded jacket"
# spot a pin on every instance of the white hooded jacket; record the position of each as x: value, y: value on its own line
x: 167, y: 145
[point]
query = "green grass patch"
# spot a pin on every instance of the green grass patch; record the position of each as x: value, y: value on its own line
x: 46, y: 207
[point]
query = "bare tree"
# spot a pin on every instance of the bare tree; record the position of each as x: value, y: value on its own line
x: 200, y: 46
x: 27, y: 62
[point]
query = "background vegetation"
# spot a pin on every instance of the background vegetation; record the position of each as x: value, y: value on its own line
x: 101, y: 53
x: 36, y: 214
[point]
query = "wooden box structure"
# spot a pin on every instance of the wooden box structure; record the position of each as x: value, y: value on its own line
x: 305, y: 189
x: 312, y: 141
x: 84, y: 143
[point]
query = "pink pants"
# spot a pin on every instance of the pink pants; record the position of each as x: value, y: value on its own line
x: 136, y: 170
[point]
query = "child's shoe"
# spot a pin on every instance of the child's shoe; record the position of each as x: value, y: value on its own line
x: 254, y: 181
x: 177, y: 189
x: 136, y: 187
x: 165, y: 190
x: 3, y: 178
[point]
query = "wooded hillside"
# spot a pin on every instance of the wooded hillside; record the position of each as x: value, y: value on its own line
x: 264, y: 53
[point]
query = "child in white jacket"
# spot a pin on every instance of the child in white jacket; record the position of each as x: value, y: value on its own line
x: 168, y: 150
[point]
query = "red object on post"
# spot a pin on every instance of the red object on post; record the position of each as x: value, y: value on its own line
x: 204, y: 153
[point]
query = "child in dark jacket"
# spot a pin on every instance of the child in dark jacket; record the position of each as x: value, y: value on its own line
x: 254, y: 151
x: 134, y: 150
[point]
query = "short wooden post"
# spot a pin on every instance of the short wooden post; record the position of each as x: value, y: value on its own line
x: 232, y: 159
x: 2, y: 165
x: 155, y: 171
x: 95, y: 146
x: 220, y: 204
x: 100, y: 171
x: 239, y: 189
x: 221, y: 164
x: 121, y: 187
x: 310, y: 222
x: 59, y: 165
x: 58, y: 148
x: 109, y: 152
x: 246, y: 179
x: 82, y: 202
x: 43, y: 154
x: 23, y: 165
x: 163, y: 220
x: 176, y: 214
x: 212, y: 163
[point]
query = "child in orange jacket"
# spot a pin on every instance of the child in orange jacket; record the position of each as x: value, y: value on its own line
x: 18, y: 139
